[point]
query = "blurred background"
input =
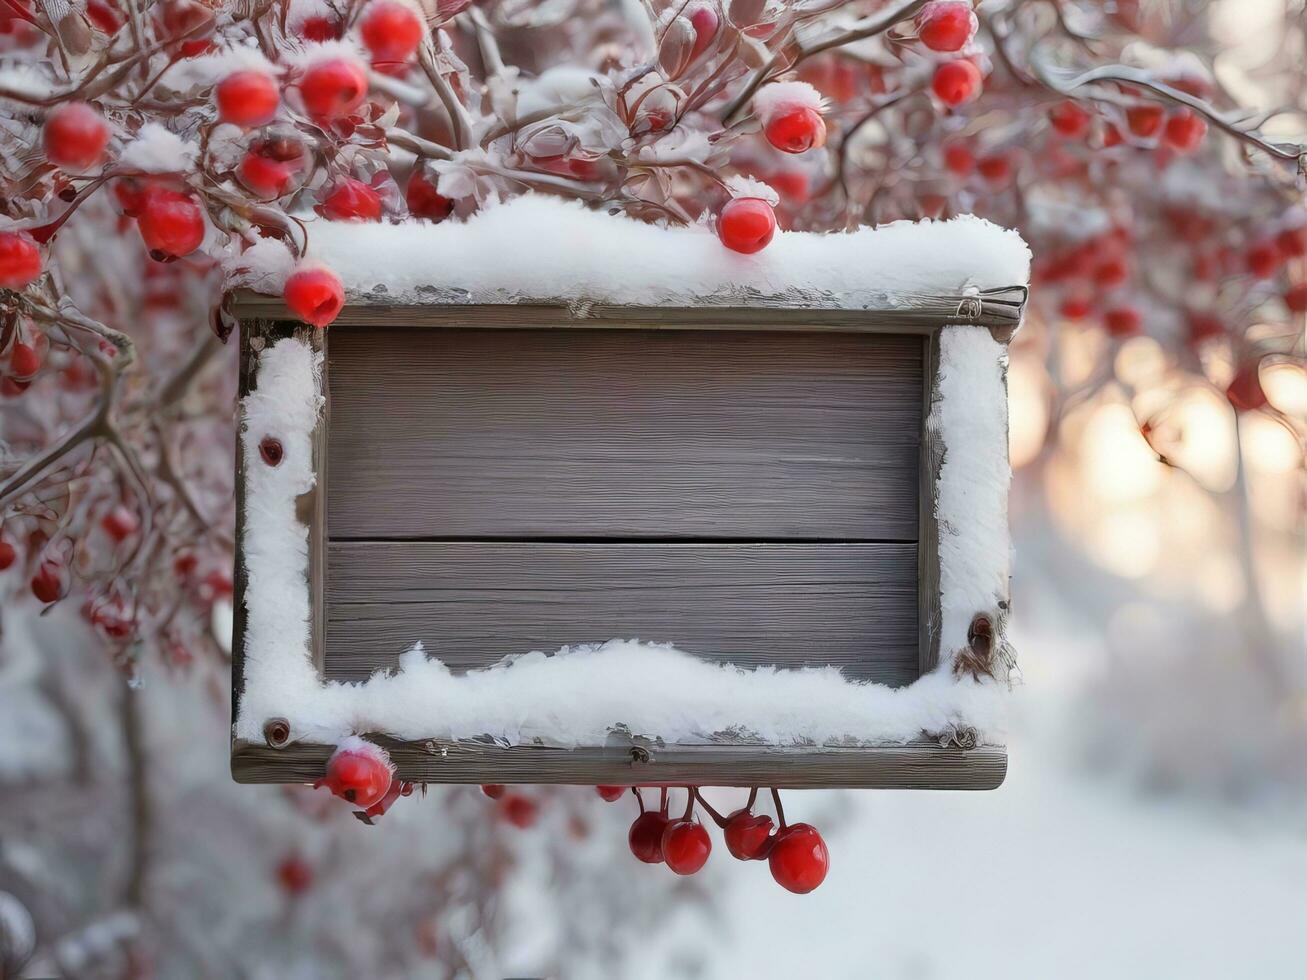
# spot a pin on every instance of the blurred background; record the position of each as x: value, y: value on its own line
x: 1153, y: 823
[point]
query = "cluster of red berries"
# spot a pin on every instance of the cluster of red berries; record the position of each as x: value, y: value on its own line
x: 795, y: 853
x: 1181, y: 130
x: 947, y: 27
x: 361, y: 773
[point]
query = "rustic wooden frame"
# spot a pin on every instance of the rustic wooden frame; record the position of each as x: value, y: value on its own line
x: 922, y: 764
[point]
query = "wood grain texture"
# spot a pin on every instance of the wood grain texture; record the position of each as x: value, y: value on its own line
x: 1000, y: 310
x: 471, y: 604
x: 932, y: 458
x: 629, y: 434
x: 918, y: 765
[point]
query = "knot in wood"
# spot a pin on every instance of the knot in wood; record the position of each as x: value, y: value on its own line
x: 276, y: 732
x: 271, y: 451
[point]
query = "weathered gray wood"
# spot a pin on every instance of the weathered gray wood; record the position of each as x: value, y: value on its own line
x: 471, y: 604
x: 1000, y: 308
x: 932, y: 457
x: 918, y: 765
x: 633, y: 434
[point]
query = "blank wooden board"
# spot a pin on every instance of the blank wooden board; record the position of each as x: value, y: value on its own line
x: 472, y: 603
x: 630, y: 434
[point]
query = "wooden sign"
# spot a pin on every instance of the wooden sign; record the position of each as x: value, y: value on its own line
x: 736, y: 524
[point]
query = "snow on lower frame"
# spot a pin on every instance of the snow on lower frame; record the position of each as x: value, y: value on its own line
x: 580, y: 695
x: 534, y: 248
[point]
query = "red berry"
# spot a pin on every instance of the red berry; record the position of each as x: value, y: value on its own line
x: 686, y: 846
x: 8, y: 553
x: 423, y: 201
x: 1076, y: 307
x: 352, y: 200
x: 946, y: 25
x: 1295, y: 298
x: 746, y: 224
x: 322, y: 28
x: 1123, y: 321
x: 105, y: 15
x: 1144, y: 120
x: 247, y: 98
x: 391, y: 30
x: 1292, y: 242
x: 314, y: 294
x: 1245, y: 392
x: 271, y: 169
x: 493, y: 790
x: 119, y: 523
x: 959, y: 159
x: 748, y: 836
x: 792, y: 185
x: 50, y: 583
x: 1264, y: 259
x: 185, y: 563
x: 956, y: 82
x: 333, y: 87
x: 1069, y: 119
x: 358, y: 772
x: 195, y: 20
x: 610, y: 793
x: 24, y: 361
x: 646, y: 837
x: 1111, y: 272
x: 797, y: 130
x: 1184, y: 131
x: 294, y: 875
x: 75, y: 136
x: 799, y: 859
x: 20, y: 259
x: 995, y: 168
x: 171, y: 223
x: 521, y: 811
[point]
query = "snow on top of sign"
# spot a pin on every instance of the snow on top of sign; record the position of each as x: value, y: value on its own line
x: 536, y: 248
x: 579, y: 695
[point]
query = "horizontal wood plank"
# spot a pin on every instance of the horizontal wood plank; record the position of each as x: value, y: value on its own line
x: 631, y: 434
x: 918, y: 765
x: 471, y: 604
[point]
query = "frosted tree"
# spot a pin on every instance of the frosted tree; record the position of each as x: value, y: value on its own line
x: 158, y: 155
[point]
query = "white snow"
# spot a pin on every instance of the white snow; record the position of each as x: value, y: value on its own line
x: 157, y: 150
x: 580, y: 695
x: 741, y: 186
x: 538, y: 249
x: 263, y: 266
x: 970, y: 416
x: 209, y: 69
x: 779, y: 98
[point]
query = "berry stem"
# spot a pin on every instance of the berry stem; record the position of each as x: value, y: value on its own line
x: 639, y: 797
x: 753, y: 798
x: 691, y: 794
x: 780, y: 810
x: 717, y: 818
